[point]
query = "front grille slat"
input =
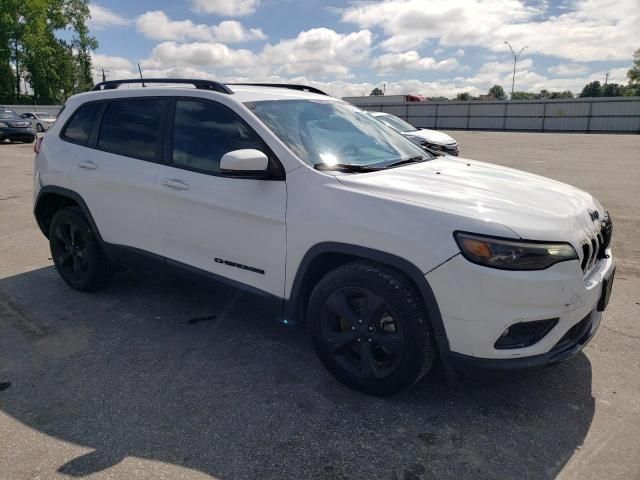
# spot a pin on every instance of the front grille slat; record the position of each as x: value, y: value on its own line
x: 595, y: 247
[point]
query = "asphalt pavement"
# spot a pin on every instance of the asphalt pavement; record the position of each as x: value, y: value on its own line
x: 157, y: 377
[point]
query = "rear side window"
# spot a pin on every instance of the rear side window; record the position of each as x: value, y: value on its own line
x: 203, y: 132
x: 132, y: 128
x: 79, y: 127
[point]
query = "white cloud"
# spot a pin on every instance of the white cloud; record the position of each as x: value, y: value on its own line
x: 113, y: 66
x: 591, y: 30
x: 157, y: 25
x: 411, y: 60
x: 320, y: 51
x: 568, y: 70
x: 197, y: 54
x: 102, y: 17
x: 228, y: 8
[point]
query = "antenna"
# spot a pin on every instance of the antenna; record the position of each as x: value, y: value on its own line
x: 140, y: 70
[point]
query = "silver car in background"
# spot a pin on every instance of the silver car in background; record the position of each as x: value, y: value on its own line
x: 432, y: 139
x: 40, y: 121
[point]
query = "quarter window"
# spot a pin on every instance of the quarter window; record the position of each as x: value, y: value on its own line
x: 132, y: 128
x: 203, y: 132
x: 79, y: 127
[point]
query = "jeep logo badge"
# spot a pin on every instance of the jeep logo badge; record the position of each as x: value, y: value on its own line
x: 594, y: 215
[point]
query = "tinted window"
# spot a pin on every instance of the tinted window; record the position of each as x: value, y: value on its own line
x: 204, y: 132
x: 79, y: 128
x: 132, y: 128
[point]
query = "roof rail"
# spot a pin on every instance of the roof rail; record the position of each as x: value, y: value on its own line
x: 199, y: 84
x: 302, y: 88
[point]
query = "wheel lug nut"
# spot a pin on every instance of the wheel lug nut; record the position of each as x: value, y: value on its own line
x: 353, y: 328
x: 360, y: 321
x: 371, y: 329
x: 369, y: 340
x: 358, y: 339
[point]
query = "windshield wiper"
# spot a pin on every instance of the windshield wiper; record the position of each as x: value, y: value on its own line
x: 419, y: 159
x: 344, y: 167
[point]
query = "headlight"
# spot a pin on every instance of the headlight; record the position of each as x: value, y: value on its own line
x: 508, y: 254
x: 3, y: 125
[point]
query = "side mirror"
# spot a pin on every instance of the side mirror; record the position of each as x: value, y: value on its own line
x: 247, y: 161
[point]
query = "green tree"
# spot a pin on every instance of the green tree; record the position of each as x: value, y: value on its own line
x: 592, y: 89
x: 497, y: 92
x: 634, y: 72
x: 34, y: 43
x: 76, y: 14
x: 612, y: 90
x: 523, y: 96
x: 7, y: 82
x: 463, y: 96
x: 376, y: 92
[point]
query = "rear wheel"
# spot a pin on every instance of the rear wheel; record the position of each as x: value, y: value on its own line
x: 370, y: 329
x: 76, y: 251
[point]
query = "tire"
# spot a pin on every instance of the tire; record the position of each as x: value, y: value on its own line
x: 370, y: 328
x: 76, y: 251
x: 39, y: 128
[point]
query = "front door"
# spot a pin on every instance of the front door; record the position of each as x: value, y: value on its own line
x: 229, y: 226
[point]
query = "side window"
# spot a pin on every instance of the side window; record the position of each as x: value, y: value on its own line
x: 132, y: 127
x: 204, y: 132
x: 79, y: 127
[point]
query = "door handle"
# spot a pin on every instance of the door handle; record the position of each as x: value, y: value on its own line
x: 87, y: 165
x: 175, y: 184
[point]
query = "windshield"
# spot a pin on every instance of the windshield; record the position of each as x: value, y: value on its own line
x: 396, y: 123
x: 334, y: 133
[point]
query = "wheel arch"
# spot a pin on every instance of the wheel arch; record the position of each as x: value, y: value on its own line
x: 323, y: 257
x: 52, y: 198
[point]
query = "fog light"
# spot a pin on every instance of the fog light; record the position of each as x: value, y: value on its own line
x: 525, y: 334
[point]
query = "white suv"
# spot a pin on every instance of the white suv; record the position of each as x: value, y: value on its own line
x: 391, y: 256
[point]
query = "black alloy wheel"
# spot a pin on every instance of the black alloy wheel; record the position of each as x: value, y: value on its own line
x: 370, y: 328
x: 76, y: 251
x: 362, y: 333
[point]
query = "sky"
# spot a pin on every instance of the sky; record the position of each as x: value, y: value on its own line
x: 426, y: 47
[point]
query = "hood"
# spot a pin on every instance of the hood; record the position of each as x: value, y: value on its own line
x: 432, y: 136
x: 533, y: 207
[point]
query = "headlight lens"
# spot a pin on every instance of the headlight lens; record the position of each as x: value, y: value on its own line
x: 3, y: 125
x: 512, y: 254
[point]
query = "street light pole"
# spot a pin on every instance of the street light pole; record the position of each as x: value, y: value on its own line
x: 515, y: 62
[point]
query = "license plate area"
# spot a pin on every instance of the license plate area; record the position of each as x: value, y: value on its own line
x: 607, y: 285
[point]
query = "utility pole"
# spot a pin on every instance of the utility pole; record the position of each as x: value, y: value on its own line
x: 515, y: 62
x: 384, y: 88
x: 104, y: 76
x: 606, y: 78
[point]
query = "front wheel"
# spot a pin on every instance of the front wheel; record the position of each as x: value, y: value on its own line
x: 40, y: 128
x: 370, y: 329
x: 76, y: 251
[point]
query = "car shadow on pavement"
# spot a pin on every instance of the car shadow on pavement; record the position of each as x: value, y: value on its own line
x: 200, y: 377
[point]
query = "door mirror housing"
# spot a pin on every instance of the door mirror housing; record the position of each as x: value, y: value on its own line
x: 247, y: 161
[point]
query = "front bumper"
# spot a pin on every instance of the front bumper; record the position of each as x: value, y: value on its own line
x: 17, y: 134
x: 478, y: 304
x: 571, y: 344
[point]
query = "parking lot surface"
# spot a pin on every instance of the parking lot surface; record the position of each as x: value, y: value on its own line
x: 162, y: 378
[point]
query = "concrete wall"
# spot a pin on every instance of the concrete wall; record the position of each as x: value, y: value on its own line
x: 586, y: 115
x: 53, y: 109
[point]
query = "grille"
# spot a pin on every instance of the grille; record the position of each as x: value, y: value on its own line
x: 595, y: 247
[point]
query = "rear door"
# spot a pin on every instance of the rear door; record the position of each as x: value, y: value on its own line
x: 227, y: 225
x: 115, y: 171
